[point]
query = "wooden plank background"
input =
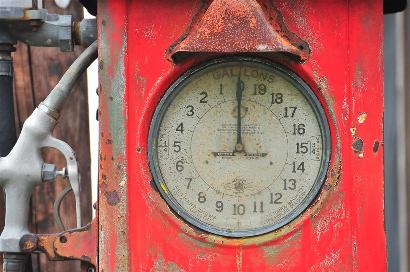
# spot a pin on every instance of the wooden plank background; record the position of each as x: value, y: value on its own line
x: 37, y: 71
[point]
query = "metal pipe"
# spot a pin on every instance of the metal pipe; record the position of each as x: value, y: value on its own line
x: 7, y: 126
x: 15, y: 262
x: 85, y: 32
x: 55, y: 100
x: 12, y: 262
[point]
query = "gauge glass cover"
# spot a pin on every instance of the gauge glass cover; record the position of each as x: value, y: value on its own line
x: 239, y: 146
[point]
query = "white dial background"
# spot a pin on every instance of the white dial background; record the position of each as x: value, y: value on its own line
x: 223, y: 190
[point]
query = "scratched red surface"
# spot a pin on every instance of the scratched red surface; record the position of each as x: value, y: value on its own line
x: 344, y: 228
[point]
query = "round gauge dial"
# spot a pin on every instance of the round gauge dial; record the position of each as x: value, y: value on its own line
x: 239, y: 146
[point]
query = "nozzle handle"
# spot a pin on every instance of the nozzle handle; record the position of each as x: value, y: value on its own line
x: 72, y: 170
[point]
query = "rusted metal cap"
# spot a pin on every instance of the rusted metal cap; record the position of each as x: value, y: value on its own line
x: 240, y: 26
x: 28, y: 243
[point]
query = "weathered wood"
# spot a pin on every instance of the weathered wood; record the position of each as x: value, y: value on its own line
x: 37, y: 70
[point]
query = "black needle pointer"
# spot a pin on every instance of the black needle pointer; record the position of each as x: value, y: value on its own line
x: 240, y: 86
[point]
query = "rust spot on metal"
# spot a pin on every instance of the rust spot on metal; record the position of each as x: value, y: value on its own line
x: 353, y: 132
x: 274, y: 253
x: 161, y: 264
x: 358, y: 147
x: 239, y: 260
x: 362, y: 117
x: 376, y: 146
x: 76, y: 244
x: 28, y: 243
x: 358, y: 144
x: 40, y: 243
x: 112, y: 198
x: 46, y: 245
x: 331, y: 219
x: 80, y: 244
x: 359, y: 81
x: 241, y: 26
x: 197, y: 243
x: 335, y: 170
x: 335, y: 173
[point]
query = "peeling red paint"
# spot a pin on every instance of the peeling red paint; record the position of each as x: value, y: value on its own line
x: 112, y: 201
x: 341, y: 231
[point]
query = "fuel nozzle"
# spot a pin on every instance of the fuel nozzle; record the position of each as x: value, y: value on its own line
x: 24, y: 168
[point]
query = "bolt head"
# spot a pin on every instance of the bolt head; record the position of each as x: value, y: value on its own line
x: 28, y: 243
x: 48, y: 172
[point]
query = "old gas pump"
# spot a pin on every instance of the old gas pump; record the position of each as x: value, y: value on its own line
x: 235, y: 135
x: 241, y: 136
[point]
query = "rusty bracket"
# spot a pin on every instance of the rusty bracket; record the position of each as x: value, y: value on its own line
x: 76, y: 244
x: 239, y: 26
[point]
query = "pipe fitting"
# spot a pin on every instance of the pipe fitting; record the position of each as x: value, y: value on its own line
x: 55, y: 31
x: 85, y: 32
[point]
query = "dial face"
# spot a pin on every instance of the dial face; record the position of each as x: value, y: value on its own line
x: 239, y: 147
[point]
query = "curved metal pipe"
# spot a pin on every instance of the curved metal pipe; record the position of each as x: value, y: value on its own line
x: 55, y: 100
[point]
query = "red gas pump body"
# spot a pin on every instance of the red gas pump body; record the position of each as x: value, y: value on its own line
x: 343, y: 230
